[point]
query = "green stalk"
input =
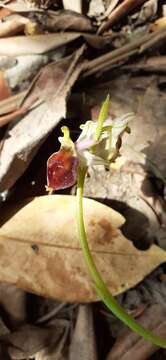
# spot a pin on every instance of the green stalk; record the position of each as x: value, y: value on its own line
x: 99, y: 284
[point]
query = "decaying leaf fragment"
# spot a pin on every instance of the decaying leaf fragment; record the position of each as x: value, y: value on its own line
x: 40, y: 249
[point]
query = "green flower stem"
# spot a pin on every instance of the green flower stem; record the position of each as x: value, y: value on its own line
x: 99, y: 284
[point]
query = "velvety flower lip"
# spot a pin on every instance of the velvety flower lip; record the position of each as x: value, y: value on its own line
x: 62, y: 170
x: 98, y: 144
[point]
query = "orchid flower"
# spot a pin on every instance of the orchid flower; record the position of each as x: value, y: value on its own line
x: 98, y: 144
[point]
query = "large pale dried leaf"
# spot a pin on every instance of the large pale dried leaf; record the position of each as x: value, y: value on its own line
x: 40, y: 249
x: 35, y: 44
x: 23, y: 139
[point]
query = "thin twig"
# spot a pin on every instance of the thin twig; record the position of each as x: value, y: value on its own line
x: 5, y: 119
x: 12, y: 103
x: 51, y: 314
x: 123, y: 9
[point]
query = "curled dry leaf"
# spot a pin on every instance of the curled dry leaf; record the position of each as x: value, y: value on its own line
x: 40, y: 249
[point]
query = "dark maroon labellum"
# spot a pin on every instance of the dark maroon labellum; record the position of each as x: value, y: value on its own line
x: 62, y: 170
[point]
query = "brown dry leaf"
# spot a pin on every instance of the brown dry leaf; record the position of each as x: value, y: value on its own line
x: 22, y: 140
x: 4, y: 88
x: 132, y: 346
x: 42, y: 241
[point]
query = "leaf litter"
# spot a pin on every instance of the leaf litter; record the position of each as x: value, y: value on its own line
x: 42, y: 57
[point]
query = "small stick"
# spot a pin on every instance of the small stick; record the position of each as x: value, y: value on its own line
x: 105, y: 61
x: 123, y: 9
x: 92, y: 65
x: 5, y: 119
x: 110, y: 63
x: 12, y: 103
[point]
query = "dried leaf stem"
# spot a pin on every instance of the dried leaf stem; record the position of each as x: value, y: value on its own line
x: 99, y: 284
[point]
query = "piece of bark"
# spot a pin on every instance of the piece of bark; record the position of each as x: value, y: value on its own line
x: 83, y: 341
x: 23, y: 139
x: 132, y: 346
